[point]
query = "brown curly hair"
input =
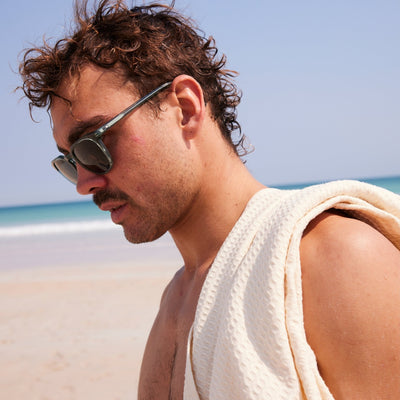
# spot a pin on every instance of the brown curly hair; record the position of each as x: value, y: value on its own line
x: 152, y: 43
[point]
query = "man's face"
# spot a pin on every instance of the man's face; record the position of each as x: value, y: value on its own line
x: 152, y: 182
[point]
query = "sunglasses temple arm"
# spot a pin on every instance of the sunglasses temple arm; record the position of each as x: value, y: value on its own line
x: 124, y: 113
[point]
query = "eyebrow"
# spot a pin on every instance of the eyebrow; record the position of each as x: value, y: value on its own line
x: 81, y: 128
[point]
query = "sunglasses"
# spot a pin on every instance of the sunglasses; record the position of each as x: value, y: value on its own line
x: 90, y: 152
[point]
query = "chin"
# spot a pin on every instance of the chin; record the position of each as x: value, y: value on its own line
x: 142, y: 236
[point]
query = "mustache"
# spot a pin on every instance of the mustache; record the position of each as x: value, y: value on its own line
x: 104, y: 195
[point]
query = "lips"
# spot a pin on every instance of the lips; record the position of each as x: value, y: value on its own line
x: 116, y: 210
x: 117, y: 214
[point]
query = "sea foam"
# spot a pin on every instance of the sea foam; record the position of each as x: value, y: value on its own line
x: 57, y: 228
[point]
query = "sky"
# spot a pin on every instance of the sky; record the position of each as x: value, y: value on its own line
x: 320, y: 83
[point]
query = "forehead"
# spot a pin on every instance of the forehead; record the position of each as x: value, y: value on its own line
x: 94, y: 93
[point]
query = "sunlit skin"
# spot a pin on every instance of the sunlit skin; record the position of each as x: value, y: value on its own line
x: 175, y: 172
x: 150, y: 173
x: 351, y: 302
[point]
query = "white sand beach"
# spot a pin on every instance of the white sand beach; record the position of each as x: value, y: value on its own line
x: 76, y: 328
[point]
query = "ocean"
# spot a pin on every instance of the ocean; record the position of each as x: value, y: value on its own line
x: 73, y: 234
x: 78, y: 232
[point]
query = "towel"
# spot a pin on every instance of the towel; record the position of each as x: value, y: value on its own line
x: 248, y: 339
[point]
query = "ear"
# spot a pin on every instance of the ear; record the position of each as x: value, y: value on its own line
x: 189, y: 95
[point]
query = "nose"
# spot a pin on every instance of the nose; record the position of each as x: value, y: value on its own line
x: 89, y: 182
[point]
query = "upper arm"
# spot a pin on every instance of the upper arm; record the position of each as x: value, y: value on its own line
x: 351, y: 303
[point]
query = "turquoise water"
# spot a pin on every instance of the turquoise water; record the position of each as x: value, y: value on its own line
x: 390, y: 183
x: 52, y: 219
x: 84, y: 216
x: 74, y: 211
x: 73, y: 234
x: 79, y: 234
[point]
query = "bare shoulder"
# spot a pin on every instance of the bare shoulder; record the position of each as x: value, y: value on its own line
x: 170, y: 288
x: 351, y: 302
x: 337, y: 247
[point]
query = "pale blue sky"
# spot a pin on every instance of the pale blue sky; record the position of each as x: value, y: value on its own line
x: 320, y: 82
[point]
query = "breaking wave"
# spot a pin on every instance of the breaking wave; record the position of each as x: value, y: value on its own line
x: 57, y: 228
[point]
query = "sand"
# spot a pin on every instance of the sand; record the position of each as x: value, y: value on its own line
x: 78, y: 331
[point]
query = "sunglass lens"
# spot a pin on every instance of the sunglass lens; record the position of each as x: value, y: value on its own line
x: 66, y: 169
x: 92, y: 156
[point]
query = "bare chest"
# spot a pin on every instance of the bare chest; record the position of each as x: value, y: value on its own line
x: 164, y: 361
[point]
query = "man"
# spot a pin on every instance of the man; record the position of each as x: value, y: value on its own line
x: 143, y: 113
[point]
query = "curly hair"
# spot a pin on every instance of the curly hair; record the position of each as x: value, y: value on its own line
x: 152, y: 43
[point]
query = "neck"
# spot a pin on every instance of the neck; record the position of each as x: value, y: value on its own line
x: 223, y: 196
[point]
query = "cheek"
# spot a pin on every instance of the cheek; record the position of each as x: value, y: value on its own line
x: 147, y: 163
x: 137, y: 140
x: 126, y: 151
x: 134, y: 162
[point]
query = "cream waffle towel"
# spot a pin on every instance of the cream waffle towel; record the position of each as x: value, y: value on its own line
x: 248, y: 339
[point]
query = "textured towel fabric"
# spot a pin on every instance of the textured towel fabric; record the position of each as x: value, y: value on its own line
x: 248, y: 339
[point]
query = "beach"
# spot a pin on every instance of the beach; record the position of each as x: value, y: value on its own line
x: 75, y: 313
x: 77, y: 302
